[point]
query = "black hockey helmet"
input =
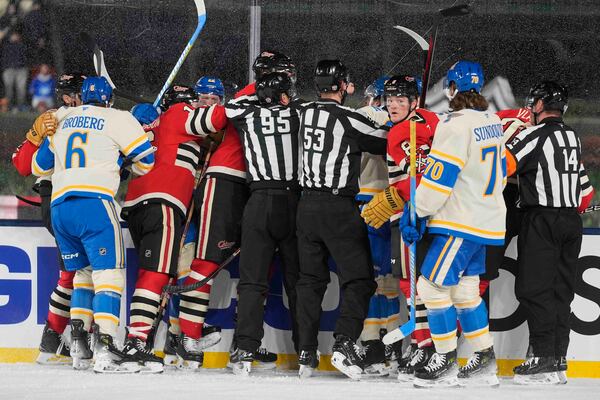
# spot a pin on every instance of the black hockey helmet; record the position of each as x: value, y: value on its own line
x: 269, y: 87
x: 329, y: 75
x: 178, y: 94
x: 553, y: 95
x: 401, y: 86
x: 273, y: 61
x: 69, y: 84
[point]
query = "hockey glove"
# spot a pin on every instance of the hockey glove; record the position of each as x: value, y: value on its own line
x: 382, y: 206
x: 145, y: 113
x: 410, y: 233
x: 44, y: 125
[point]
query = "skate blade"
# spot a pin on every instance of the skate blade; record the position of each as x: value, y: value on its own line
x: 376, y: 371
x: 353, y: 372
x: 480, y: 381
x: 111, y: 368
x: 562, y: 377
x: 263, y: 366
x: 546, y: 378
x: 81, y: 363
x: 209, y: 340
x: 241, y: 368
x: 305, y: 372
x: 405, y: 378
x: 426, y: 383
x: 172, y: 361
x: 146, y: 368
x: 188, y: 365
x: 53, y: 359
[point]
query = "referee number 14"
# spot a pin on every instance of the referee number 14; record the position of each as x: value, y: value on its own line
x: 570, y: 156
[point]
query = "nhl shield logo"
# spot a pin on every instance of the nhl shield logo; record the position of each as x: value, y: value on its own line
x: 148, y: 253
x: 102, y: 251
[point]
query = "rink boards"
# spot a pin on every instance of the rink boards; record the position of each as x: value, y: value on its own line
x: 29, y: 271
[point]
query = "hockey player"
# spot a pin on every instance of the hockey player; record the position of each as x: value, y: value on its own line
x: 329, y: 222
x: 461, y: 195
x: 53, y: 349
x: 221, y: 199
x: 155, y: 207
x: 84, y: 155
x: 210, y: 90
x: 402, y: 98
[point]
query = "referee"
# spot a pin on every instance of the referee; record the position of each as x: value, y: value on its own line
x: 269, y: 133
x: 548, y: 163
x: 329, y: 223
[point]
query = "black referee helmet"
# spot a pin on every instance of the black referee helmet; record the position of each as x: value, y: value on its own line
x: 270, y: 87
x: 329, y: 75
x: 553, y: 95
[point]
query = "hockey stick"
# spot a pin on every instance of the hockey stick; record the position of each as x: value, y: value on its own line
x: 100, y: 67
x: 201, y: 21
x: 165, y: 297
x: 590, y: 209
x: 30, y: 202
x: 409, y: 326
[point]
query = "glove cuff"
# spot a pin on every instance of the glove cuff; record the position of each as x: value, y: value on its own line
x: 34, y: 137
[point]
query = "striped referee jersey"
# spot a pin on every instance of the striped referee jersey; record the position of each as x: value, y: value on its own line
x: 333, y: 138
x: 548, y: 165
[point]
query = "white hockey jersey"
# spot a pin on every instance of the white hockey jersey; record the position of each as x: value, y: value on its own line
x: 373, y: 168
x: 461, y: 189
x: 85, y: 153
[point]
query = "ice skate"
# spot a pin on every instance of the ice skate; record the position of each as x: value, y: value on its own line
x: 480, y: 370
x: 264, y: 359
x: 80, y: 347
x: 419, y: 358
x: 136, y: 351
x: 189, y: 353
x: 393, y: 354
x: 110, y: 360
x: 406, y: 373
x: 347, y: 357
x: 53, y: 349
x: 211, y: 335
x: 308, y: 361
x: 374, y: 360
x: 170, y: 350
x: 240, y: 362
x: 561, y: 370
x: 440, y: 371
x: 537, y: 371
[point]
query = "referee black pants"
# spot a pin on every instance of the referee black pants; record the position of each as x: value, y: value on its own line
x: 269, y: 223
x: 548, y: 245
x: 331, y: 225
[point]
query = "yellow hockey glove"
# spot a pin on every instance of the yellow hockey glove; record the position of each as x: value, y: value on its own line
x: 44, y: 125
x: 382, y: 206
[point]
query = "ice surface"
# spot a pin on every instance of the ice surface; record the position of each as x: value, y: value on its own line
x: 30, y: 381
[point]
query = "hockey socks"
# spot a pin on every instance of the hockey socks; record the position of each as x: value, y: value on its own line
x: 82, y: 297
x: 60, y: 302
x: 443, y: 328
x: 422, y: 334
x: 193, y: 305
x: 474, y: 323
x: 145, y: 302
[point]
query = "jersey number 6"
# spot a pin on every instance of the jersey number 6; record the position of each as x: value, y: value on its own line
x: 76, y: 139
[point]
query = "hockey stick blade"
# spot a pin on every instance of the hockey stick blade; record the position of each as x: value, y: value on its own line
x: 30, y: 202
x: 418, y: 38
x: 456, y: 11
x: 398, y: 334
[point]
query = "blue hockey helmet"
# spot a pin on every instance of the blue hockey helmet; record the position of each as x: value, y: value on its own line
x: 466, y: 75
x: 419, y: 83
x: 96, y: 89
x: 210, y: 85
x: 376, y: 88
x: 145, y: 113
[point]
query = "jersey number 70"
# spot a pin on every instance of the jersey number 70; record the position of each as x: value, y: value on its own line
x: 495, y: 159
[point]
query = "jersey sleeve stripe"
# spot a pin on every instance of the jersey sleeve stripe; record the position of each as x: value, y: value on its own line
x: 433, y: 186
x: 127, y: 150
x: 448, y: 157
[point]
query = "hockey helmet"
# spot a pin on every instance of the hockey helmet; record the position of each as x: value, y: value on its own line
x: 466, y: 75
x: 273, y: 61
x: 210, y: 85
x: 270, y: 87
x: 376, y: 88
x: 69, y: 84
x: 178, y: 94
x: 96, y: 90
x: 553, y: 95
x: 402, y: 86
x: 329, y: 75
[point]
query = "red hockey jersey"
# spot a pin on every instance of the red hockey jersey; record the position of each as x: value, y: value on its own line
x: 22, y: 156
x: 171, y: 181
x: 398, y: 149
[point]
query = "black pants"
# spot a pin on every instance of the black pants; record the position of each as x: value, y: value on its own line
x: 548, y: 244
x: 269, y: 223
x: 331, y: 225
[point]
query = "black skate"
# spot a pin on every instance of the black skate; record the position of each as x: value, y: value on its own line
x: 393, y: 354
x: 109, y: 359
x: 441, y: 370
x: 374, y: 359
x: 419, y: 358
x: 481, y: 369
x: 189, y: 353
x: 136, y: 352
x: 561, y: 369
x: 53, y: 349
x: 240, y: 361
x: 347, y: 357
x: 308, y: 361
x: 264, y: 359
x: 80, y: 346
x: 537, y: 371
x: 170, y: 350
